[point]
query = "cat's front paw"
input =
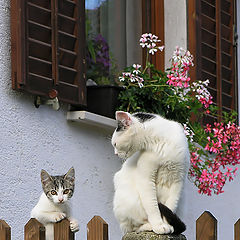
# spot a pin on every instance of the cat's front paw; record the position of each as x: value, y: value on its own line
x: 74, y: 225
x: 147, y: 227
x: 58, y: 216
x: 163, y: 228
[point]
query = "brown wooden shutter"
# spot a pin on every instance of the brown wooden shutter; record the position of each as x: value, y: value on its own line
x: 211, y: 40
x: 48, y: 38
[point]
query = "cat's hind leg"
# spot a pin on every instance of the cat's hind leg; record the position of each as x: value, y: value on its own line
x: 126, y: 226
x: 174, y: 195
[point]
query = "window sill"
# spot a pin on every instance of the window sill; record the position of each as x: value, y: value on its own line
x: 91, y: 119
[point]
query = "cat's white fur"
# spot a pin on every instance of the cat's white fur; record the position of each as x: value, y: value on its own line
x: 49, y: 212
x: 157, y: 162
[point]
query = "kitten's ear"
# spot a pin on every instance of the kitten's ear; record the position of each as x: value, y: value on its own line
x: 45, y: 177
x: 124, y: 117
x: 70, y: 175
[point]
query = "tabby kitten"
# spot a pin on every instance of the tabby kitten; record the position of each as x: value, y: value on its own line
x: 53, y: 205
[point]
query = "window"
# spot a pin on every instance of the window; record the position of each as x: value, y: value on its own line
x: 48, y: 40
x: 211, y: 31
x: 114, y: 28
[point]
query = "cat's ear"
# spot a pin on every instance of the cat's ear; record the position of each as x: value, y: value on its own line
x: 123, y: 117
x: 45, y: 177
x: 70, y: 175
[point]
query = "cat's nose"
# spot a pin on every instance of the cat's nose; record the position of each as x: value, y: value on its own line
x: 60, y: 200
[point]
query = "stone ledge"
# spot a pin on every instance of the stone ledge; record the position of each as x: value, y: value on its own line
x: 152, y: 236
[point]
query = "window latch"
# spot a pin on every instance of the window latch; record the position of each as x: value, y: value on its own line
x: 52, y: 101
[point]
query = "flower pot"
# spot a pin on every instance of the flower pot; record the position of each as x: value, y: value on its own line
x: 103, y: 100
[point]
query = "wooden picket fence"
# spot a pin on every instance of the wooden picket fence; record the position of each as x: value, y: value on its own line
x: 97, y: 229
x: 206, y: 227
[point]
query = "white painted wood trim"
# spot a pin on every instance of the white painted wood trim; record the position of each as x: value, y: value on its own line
x: 91, y: 119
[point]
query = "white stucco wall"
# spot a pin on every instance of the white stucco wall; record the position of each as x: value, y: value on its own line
x: 224, y: 207
x: 32, y: 139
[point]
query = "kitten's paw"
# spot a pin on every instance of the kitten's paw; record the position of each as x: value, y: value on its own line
x: 59, y: 216
x: 163, y: 228
x: 147, y: 227
x: 74, y: 225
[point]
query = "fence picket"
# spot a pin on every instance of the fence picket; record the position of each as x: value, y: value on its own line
x: 97, y: 229
x: 34, y: 230
x: 5, y: 231
x: 62, y: 230
x: 206, y: 227
x: 237, y: 230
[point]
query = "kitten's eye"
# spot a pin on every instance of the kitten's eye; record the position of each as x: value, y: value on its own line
x: 53, y: 192
x: 66, y: 191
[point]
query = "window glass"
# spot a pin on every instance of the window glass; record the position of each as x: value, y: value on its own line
x: 113, y: 30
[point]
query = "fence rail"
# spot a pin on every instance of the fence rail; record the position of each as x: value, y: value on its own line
x: 97, y: 229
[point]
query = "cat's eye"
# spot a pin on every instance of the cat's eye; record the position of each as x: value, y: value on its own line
x: 53, y: 192
x: 66, y: 191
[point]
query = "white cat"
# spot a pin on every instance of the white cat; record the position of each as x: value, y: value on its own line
x: 149, y: 184
x: 53, y: 205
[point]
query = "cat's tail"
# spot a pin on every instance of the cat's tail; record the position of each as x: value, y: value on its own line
x: 172, y: 219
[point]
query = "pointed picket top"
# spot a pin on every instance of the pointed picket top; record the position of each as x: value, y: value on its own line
x: 34, y: 230
x: 206, y: 227
x: 62, y: 230
x: 5, y: 231
x: 237, y: 230
x: 97, y: 229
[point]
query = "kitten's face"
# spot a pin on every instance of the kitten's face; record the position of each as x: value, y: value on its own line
x: 58, y: 189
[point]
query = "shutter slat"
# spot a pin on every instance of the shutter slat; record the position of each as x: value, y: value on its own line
x: 208, y: 52
x: 208, y: 9
x: 39, y: 42
x: 208, y: 37
x: 66, y: 8
x: 43, y: 3
x: 39, y: 15
x: 209, y: 24
x: 225, y: 18
x: 41, y: 51
x: 68, y: 51
x: 208, y: 73
x: 40, y: 7
x: 67, y: 17
x: 38, y: 76
x: 39, y: 24
x: 39, y: 60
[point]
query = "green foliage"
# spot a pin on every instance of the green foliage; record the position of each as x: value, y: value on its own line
x: 155, y: 97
